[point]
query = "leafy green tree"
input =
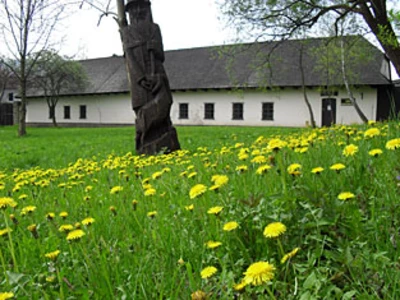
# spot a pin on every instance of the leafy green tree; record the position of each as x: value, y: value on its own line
x: 283, y: 19
x: 26, y: 29
x: 54, y: 75
x: 338, y: 58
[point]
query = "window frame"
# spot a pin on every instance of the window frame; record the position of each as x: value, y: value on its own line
x: 209, y: 114
x: 67, y: 112
x: 183, y: 113
x: 237, y: 114
x: 267, y: 111
x: 82, y: 112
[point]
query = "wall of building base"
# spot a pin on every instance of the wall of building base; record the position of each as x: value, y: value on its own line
x: 288, y: 104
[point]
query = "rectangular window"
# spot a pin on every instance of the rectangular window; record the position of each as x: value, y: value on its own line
x: 209, y: 111
x: 237, y: 111
x: 67, y: 112
x: 268, y: 111
x: 82, y: 111
x: 346, y: 102
x: 51, y: 112
x: 10, y: 96
x: 183, y: 111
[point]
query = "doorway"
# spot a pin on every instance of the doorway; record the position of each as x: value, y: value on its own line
x: 328, y: 111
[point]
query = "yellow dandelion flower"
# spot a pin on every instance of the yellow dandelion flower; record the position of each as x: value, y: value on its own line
x: 337, y: 167
x: 262, y: 169
x: 213, y: 244
x: 241, y: 168
x: 156, y: 175
x: 77, y: 225
x: 197, y: 190
x: 192, y: 174
x: 5, y: 296
x: 50, y: 216
x: 27, y: 210
x: 243, y: 156
x: 289, y: 255
x: 7, y: 201
x: 5, y: 231
x: 183, y: 174
x: 150, y: 192
x: 189, y: 207
x: 208, y: 272
x: 88, y: 221
x: 116, y: 189
x: 75, y: 235
x: 393, y: 144
x: 259, y: 273
x: 23, y: 196
x: 276, y: 144
x: 372, y: 132
x: 230, y: 226
x: 294, y: 169
x: 350, y: 150
x: 220, y: 180
x: 63, y: 214
x: 52, y: 255
x: 375, y: 152
x: 216, y: 210
x: 152, y: 214
x: 274, y: 229
x: 317, y: 170
x: 146, y: 180
x: 32, y: 227
x: 345, y: 196
x: 65, y: 228
x: 260, y: 159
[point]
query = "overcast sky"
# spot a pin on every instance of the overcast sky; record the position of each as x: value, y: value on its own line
x: 183, y: 23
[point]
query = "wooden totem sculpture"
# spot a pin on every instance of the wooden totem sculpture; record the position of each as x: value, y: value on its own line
x: 150, y: 92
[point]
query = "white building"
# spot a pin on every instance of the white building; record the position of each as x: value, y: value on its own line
x: 241, y: 87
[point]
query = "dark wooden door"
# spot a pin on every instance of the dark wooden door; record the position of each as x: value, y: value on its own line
x: 328, y: 111
x: 6, y: 114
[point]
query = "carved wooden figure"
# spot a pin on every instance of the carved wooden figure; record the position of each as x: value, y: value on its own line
x: 150, y: 92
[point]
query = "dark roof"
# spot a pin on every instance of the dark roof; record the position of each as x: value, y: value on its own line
x: 239, y: 66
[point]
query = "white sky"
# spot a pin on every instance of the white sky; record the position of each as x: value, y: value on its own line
x: 183, y: 23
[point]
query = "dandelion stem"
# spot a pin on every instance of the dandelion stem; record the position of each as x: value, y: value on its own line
x: 11, y: 244
x: 3, y: 263
x: 280, y: 247
x: 60, y: 283
x: 270, y: 293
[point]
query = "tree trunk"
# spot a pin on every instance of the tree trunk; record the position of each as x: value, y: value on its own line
x: 303, y: 84
x: 388, y: 40
x: 346, y: 83
x: 22, y: 109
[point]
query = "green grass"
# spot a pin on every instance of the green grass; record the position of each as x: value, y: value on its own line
x: 57, y: 147
x: 348, y: 248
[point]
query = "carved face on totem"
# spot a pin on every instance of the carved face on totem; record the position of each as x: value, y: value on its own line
x: 139, y: 11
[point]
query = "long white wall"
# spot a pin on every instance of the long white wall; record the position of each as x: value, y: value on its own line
x: 289, y: 107
x: 288, y: 103
x: 102, y: 109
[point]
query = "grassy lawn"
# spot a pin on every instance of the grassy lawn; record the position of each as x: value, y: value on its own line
x: 57, y: 147
x: 239, y: 213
